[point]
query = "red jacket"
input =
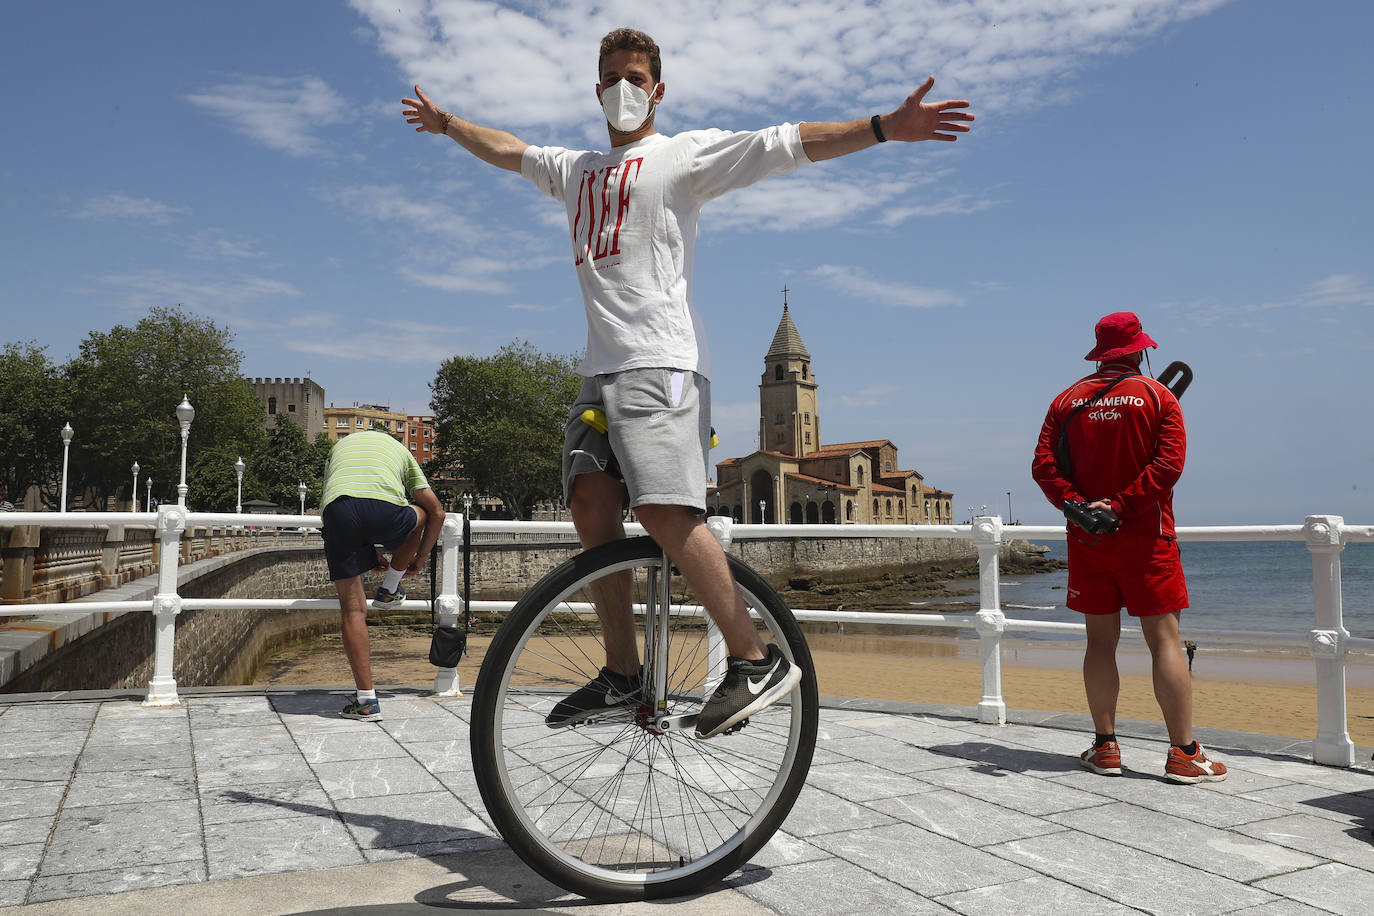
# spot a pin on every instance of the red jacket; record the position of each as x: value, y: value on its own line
x: 1129, y: 449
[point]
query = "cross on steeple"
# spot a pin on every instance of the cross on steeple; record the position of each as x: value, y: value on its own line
x: 784, y: 297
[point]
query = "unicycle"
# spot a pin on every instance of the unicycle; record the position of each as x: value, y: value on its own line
x: 630, y: 805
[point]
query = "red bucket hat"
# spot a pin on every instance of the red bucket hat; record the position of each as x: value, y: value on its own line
x: 1119, y: 334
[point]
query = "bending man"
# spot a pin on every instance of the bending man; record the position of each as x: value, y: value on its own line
x: 369, y: 481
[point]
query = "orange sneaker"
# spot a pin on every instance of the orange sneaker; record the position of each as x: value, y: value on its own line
x: 1104, y: 760
x: 1197, y: 768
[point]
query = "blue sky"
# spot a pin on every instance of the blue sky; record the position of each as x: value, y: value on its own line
x: 1203, y: 163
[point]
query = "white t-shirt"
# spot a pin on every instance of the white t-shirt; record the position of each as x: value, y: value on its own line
x: 632, y: 214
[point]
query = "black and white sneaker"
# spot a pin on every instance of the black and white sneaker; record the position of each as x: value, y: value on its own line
x: 748, y: 687
x: 607, y: 693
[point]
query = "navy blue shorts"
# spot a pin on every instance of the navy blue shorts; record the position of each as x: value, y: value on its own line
x: 353, y: 527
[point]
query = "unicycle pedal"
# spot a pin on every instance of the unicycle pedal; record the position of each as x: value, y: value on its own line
x: 736, y: 727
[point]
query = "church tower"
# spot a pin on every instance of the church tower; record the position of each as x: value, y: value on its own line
x: 789, y: 421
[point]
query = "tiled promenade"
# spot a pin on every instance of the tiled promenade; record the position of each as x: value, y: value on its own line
x: 248, y: 802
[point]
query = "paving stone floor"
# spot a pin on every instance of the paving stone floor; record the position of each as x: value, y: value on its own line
x: 908, y: 809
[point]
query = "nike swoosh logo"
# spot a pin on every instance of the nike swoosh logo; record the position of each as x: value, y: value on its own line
x: 612, y: 698
x: 756, y: 686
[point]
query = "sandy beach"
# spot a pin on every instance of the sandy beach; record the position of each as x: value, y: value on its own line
x: 1269, y: 693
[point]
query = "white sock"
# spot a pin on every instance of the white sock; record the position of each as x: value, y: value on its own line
x: 392, y: 578
x: 367, y: 695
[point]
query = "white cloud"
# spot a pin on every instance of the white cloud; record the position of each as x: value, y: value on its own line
x: 746, y: 66
x: 1337, y: 289
x: 214, y: 245
x: 872, y: 396
x: 819, y: 198
x: 464, y: 276
x: 418, y: 341
x: 398, y: 205
x: 810, y: 58
x: 282, y: 113
x: 123, y: 208
x: 860, y: 284
x: 1329, y: 292
x: 437, y: 230
x: 207, y: 295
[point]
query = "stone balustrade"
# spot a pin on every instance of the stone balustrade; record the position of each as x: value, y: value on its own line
x: 52, y: 564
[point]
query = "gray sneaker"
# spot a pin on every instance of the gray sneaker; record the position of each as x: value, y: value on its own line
x: 747, y: 688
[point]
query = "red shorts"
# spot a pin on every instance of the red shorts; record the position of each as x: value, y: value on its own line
x: 1142, y: 574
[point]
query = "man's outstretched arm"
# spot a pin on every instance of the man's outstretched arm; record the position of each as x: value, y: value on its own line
x: 913, y: 120
x: 490, y: 145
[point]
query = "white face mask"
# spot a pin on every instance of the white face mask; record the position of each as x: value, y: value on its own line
x: 626, y: 105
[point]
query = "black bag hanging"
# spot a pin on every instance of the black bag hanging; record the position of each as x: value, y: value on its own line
x: 447, y: 645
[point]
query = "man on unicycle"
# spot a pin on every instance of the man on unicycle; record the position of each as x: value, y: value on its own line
x: 632, y: 214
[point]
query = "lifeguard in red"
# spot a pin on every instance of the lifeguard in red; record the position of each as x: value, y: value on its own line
x: 1126, y: 447
x: 1115, y: 440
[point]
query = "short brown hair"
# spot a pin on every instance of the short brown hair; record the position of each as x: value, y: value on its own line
x: 630, y: 40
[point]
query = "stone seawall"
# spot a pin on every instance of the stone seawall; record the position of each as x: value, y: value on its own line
x: 222, y: 647
x: 505, y: 571
x: 213, y: 647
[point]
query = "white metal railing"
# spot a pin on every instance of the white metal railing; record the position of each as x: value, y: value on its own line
x: 1324, y: 535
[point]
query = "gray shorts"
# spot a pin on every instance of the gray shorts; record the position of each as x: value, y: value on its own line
x: 658, y: 436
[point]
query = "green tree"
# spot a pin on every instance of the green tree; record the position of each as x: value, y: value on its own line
x: 499, y: 421
x: 33, y: 408
x: 126, y: 385
x: 284, y: 460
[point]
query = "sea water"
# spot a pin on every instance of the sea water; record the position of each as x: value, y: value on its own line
x: 1239, y: 591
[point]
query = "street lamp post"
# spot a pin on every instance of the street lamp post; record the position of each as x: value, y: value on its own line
x: 467, y: 504
x: 301, y: 490
x: 1008, y: 507
x: 133, y: 496
x: 150, y: 494
x: 66, y: 444
x: 238, y: 470
x: 185, y: 414
x: 763, y: 512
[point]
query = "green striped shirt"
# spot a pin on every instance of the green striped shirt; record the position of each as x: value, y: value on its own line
x: 371, y: 465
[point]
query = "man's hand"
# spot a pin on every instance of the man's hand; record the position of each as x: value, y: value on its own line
x: 426, y: 114
x: 498, y: 147
x: 916, y: 119
x: 417, y: 564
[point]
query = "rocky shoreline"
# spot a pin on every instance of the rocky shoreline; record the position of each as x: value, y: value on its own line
x: 894, y: 591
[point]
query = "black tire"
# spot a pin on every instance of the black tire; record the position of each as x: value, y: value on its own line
x: 610, y: 809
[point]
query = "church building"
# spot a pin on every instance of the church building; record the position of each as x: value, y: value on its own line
x: 793, y: 478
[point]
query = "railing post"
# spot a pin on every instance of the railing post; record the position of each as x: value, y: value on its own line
x: 991, y: 622
x: 1328, y: 640
x: 109, y: 556
x: 162, y: 689
x: 720, y: 527
x: 448, y: 603
x: 19, y: 548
